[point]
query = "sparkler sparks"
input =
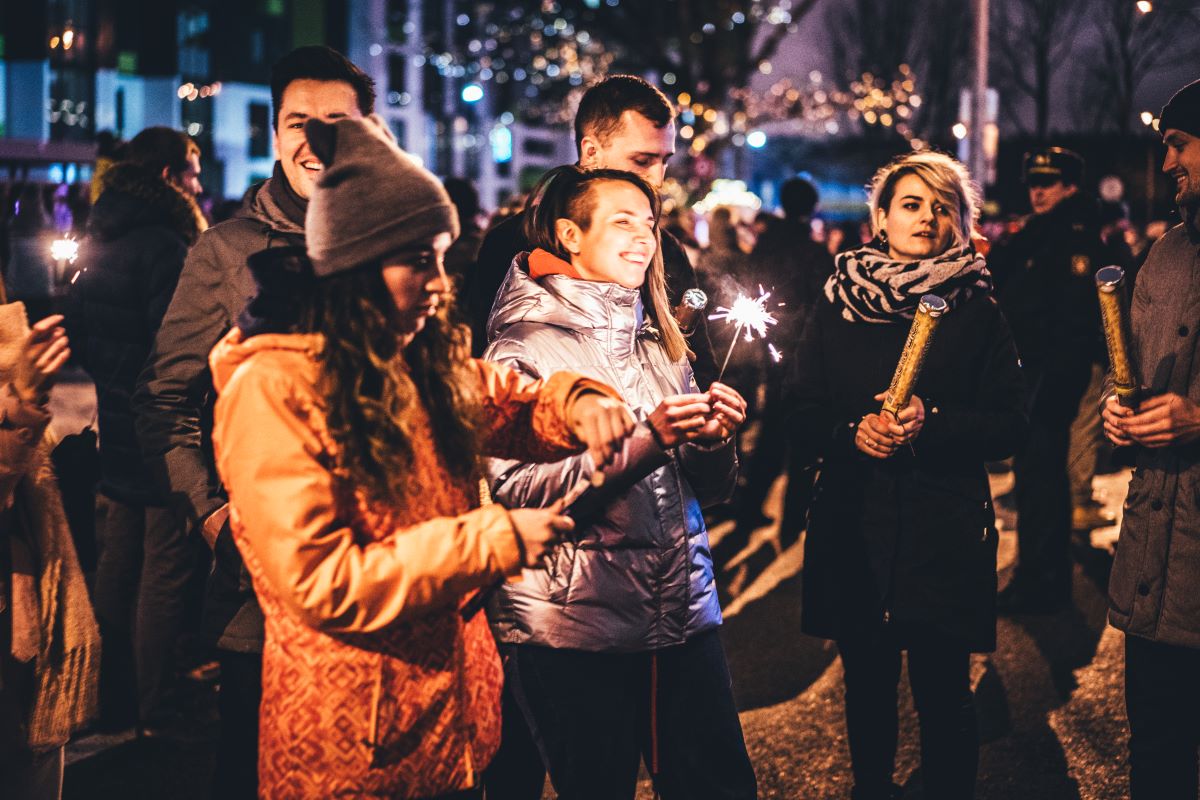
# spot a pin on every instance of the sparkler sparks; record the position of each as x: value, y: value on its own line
x: 747, y: 314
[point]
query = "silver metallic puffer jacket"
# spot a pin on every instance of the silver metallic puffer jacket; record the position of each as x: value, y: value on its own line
x: 641, y: 577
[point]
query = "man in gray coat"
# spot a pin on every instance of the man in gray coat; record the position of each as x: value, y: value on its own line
x: 1154, y: 591
x: 174, y: 397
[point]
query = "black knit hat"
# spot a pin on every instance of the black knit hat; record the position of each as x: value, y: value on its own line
x: 372, y: 199
x: 1182, y: 111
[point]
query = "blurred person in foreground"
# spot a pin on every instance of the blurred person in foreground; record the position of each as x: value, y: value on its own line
x: 900, y: 554
x: 1154, y: 589
x: 349, y: 426
x: 49, y: 644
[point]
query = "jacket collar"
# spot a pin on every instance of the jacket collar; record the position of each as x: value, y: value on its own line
x: 133, y: 196
x: 609, y: 313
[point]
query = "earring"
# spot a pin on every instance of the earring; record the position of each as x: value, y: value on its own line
x: 883, y: 236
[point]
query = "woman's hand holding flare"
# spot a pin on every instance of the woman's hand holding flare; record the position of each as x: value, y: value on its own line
x: 879, y: 435
x: 602, y: 424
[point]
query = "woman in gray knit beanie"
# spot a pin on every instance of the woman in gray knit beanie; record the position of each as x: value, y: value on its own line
x: 348, y: 431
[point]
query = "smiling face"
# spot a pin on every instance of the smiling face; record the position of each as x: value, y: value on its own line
x: 1182, y: 163
x: 302, y: 100
x: 638, y: 146
x: 917, y: 223
x: 619, y: 241
x: 417, y: 283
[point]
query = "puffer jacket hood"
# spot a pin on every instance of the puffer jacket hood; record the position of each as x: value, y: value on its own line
x: 641, y: 576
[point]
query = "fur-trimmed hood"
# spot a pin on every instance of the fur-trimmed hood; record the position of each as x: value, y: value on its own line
x: 133, y: 196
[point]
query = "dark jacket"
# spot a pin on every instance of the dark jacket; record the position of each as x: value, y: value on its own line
x: 174, y: 398
x: 1154, y: 589
x: 502, y: 244
x: 794, y: 268
x: 138, y: 236
x: 911, y: 539
x: 1045, y: 276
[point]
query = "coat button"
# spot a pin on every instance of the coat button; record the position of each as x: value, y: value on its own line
x: 1143, y: 589
x: 1156, y: 505
x: 1183, y: 330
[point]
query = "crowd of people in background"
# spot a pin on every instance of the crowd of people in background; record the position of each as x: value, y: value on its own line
x: 350, y: 406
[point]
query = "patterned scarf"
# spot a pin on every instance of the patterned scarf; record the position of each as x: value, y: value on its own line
x: 869, y: 286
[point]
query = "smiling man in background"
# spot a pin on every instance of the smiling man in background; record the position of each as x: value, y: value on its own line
x: 174, y: 397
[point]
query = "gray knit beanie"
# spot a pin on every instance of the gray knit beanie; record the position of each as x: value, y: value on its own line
x: 372, y: 198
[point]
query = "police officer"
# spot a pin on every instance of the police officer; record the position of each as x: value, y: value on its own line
x: 1048, y: 293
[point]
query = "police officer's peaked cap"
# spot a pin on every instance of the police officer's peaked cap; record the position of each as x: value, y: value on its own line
x: 1051, y: 164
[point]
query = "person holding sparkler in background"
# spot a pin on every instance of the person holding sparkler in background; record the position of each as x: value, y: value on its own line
x: 900, y: 553
x: 613, y: 650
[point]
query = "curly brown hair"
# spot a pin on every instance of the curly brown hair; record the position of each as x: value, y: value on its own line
x: 373, y: 388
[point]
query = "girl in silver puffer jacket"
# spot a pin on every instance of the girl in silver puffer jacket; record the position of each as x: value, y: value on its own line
x: 612, y: 651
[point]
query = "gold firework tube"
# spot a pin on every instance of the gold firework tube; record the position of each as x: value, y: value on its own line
x: 920, y: 336
x: 687, y: 313
x: 1110, y: 285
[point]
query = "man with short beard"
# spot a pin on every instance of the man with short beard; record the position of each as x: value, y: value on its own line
x: 1154, y: 590
x: 622, y: 123
x: 174, y: 398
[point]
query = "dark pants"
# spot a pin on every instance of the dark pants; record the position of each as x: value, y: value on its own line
x: 1162, y: 697
x: 595, y: 715
x: 236, y: 776
x: 939, y: 674
x: 146, y: 563
x: 1043, y: 487
x: 516, y: 771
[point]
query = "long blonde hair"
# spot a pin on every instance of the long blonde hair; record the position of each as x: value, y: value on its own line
x: 566, y: 193
x: 945, y: 176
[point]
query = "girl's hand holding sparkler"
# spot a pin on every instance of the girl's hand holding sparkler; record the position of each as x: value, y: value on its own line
x: 879, y: 435
x: 728, y: 414
x: 680, y: 418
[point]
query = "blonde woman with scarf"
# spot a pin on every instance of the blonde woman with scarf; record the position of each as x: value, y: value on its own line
x: 900, y: 555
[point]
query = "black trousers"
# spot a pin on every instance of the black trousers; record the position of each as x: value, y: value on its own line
x: 1162, y: 697
x: 146, y: 563
x: 236, y: 776
x: 939, y: 674
x: 594, y: 716
x: 1043, y: 485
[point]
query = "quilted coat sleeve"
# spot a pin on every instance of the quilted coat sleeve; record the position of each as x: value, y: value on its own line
x: 527, y: 419
x: 274, y: 465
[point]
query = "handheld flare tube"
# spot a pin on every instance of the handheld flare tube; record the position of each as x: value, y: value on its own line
x: 687, y: 313
x: 920, y: 336
x: 1114, y: 313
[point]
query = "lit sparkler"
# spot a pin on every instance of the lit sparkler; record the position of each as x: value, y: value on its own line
x: 64, y: 249
x: 748, y: 314
x: 776, y: 356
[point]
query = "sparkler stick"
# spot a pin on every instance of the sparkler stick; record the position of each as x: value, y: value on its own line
x: 749, y: 315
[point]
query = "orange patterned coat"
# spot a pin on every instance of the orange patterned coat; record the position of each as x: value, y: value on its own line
x: 373, y: 685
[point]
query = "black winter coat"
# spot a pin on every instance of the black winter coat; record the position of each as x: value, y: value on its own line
x: 505, y: 240
x: 138, y: 236
x: 912, y: 539
x: 1046, y: 284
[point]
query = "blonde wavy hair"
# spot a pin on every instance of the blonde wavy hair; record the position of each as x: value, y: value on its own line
x: 945, y: 176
